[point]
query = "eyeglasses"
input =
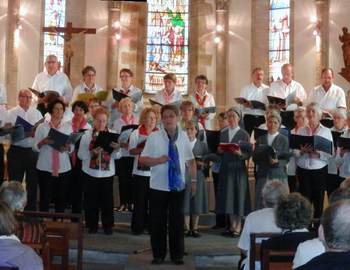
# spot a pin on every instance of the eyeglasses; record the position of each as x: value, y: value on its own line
x: 186, y: 110
x: 28, y: 97
x: 94, y: 106
x: 51, y: 62
x: 168, y: 116
x: 125, y: 76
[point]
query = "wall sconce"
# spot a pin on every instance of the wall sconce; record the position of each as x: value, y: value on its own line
x: 217, y: 39
x: 316, y: 24
x: 219, y: 27
x: 117, y: 24
x: 117, y: 36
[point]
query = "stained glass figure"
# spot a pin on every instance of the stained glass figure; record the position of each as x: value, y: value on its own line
x: 167, y: 44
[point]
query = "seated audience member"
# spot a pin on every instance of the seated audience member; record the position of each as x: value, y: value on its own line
x: 13, y: 252
x: 334, y: 232
x: 29, y: 229
x: 345, y: 183
x: 293, y: 215
x: 310, y: 249
x: 261, y: 221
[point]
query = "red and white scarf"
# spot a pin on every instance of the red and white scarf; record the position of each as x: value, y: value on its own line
x: 201, y: 102
x: 167, y: 98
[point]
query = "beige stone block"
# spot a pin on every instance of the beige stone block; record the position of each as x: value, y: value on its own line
x: 205, y: 59
x: 128, y: 57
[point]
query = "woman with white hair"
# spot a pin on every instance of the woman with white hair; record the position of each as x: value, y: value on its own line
x: 311, y: 164
x: 270, y: 167
x: 333, y: 180
x: 342, y: 158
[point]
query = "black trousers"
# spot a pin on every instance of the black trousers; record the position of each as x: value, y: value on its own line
x: 23, y: 161
x: 53, y: 187
x: 75, y: 187
x: 220, y: 218
x: 333, y: 182
x: 312, y: 185
x: 98, y: 195
x: 292, y: 183
x: 2, y: 165
x: 140, y: 217
x: 125, y: 180
x: 251, y: 121
x: 162, y: 205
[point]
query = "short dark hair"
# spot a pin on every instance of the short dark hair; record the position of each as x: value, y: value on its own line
x: 326, y: 69
x: 201, y: 77
x: 173, y: 108
x: 257, y: 69
x: 223, y: 115
x: 274, y: 107
x: 187, y: 104
x: 126, y: 70
x: 80, y: 104
x: 293, y: 212
x: 170, y: 76
x: 8, y: 225
x: 87, y: 69
x: 53, y: 103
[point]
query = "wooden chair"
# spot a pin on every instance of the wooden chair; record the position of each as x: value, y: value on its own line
x: 284, y: 264
x: 73, y: 224
x: 43, y: 250
x: 255, y: 248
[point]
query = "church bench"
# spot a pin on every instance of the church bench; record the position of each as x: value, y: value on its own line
x: 255, y: 248
x: 73, y: 223
x: 280, y: 265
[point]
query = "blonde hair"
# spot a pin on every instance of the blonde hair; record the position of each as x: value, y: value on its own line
x: 124, y: 101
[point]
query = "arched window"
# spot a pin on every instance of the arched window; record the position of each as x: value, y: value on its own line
x: 279, y: 52
x: 55, y: 12
x: 167, y: 44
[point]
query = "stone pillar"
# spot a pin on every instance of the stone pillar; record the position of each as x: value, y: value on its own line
x: 12, y: 51
x: 221, y: 53
x: 322, y: 44
x: 113, y: 44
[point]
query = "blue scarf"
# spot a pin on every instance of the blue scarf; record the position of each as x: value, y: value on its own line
x: 174, y: 169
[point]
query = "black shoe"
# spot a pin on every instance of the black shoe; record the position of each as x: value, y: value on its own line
x: 195, y: 234
x: 227, y: 233
x: 92, y: 231
x: 137, y: 233
x: 235, y: 234
x: 157, y: 261
x: 108, y: 231
x: 179, y: 262
x: 216, y: 227
x: 187, y: 233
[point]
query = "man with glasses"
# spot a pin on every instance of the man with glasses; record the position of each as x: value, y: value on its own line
x: 53, y: 79
x: 21, y: 158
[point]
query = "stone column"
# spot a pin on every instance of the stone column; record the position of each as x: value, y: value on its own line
x: 221, y: 53
x: 322, y: 44
x: 113, y: 44
x: 12, y: 51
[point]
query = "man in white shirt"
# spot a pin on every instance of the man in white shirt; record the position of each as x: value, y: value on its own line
x: 286, y: 86
x: 166, y: 152
x: 3, y: 95
x: 21, y: 159
x: 254, y: 91
x: 328, y: 95
x: 261, y: 221
x: 54, y: 80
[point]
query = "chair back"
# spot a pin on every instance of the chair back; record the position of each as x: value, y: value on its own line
x: 287, y: 255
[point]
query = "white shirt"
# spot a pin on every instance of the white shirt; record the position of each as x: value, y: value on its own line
x: 67, y: 115
x: 156, y: 146
x: 251, y: 92
x: 343, y: 162
x: 3, y: 94
x: 135, y: 139
x: 160, y: 98
x: 84, y: 155
x: 304, y: 161
x: 45, y: 157
x: 308, y: 250
x: 81, y: 89
x: 261, y: 221
x: 330, y: 100
x: 232, y: 132
x: 3, y: 117
x: 58, y: 82
x: 271, y: 138
x: 31, y: 115
x: 209, y: 102
x: 280, y: 89
x: 138, y: 105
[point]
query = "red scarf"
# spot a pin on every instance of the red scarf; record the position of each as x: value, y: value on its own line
x: 167, y: 98
x: 133, y: 120
x: 125, y: 92
x: 104, y: 158
x: 201, y: 105
x: 73, y: 155
x: 55, y: 155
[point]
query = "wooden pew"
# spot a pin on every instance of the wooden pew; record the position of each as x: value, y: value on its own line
x: 255, y: 248
x: 281, y: 265
x: 58, y: 221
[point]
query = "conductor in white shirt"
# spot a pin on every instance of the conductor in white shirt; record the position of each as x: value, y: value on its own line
x: 254, y: 91
x: 52, y: 79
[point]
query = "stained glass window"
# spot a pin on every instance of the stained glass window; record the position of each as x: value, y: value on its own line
x: 55, y: 11
x: 167, y: 44
x: 279, y: 37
